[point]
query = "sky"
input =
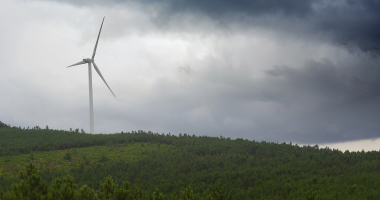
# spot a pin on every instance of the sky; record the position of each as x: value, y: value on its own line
x: 300, y: 71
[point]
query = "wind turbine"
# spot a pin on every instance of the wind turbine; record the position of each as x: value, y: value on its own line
x: 89, y: 61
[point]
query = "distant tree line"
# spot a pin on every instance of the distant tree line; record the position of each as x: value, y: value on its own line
x: 3, y: 125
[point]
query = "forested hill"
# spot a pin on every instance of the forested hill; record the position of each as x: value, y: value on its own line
x: 169, y: 163
x: 16, y: 140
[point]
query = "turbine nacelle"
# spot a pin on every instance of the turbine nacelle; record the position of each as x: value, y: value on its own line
x: 88, y: 60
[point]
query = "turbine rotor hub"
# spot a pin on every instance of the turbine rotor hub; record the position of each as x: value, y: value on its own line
x: 88, y: 60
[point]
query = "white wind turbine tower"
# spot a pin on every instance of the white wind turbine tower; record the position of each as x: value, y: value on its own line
x: 89, y: 61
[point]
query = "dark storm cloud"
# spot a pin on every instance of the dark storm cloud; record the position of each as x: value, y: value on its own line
x: 344, y: 107
x: 324, y: 79
x: 216, y: 8
x: 353, y: 22
x: 318, y: 103
x: 345, y: 22
x: 321, y: 102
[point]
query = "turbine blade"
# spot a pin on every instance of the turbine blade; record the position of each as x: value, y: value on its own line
x: 96, y: 45
x: 100, y: 74
x: 81, y: 62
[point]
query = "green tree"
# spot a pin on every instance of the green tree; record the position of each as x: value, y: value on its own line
x: 67, y: 156
x: 30, y: 186
x: 87, y: 193
x: 107, y: 188
x: 64, y: 189
x: 220, y: 192
x: 127, y: 192
x: 31, y: 156
x: 1, y: 192
x: 189, y: 195
x: 156, y: 195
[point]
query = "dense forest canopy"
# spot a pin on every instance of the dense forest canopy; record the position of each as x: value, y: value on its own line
x: 173, y: 165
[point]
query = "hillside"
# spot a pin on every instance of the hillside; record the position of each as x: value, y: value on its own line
x: 249, y: 169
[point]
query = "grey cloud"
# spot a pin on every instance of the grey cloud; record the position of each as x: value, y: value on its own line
x: 345, y: 22
x: 325, y: 79
x: 215, y: 8
x: 325, y: 105
x: 355, y: 22
x: 319, y: 103
x: 314, y: 104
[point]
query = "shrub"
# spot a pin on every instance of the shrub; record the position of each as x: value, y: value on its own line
x: 67, y: 156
